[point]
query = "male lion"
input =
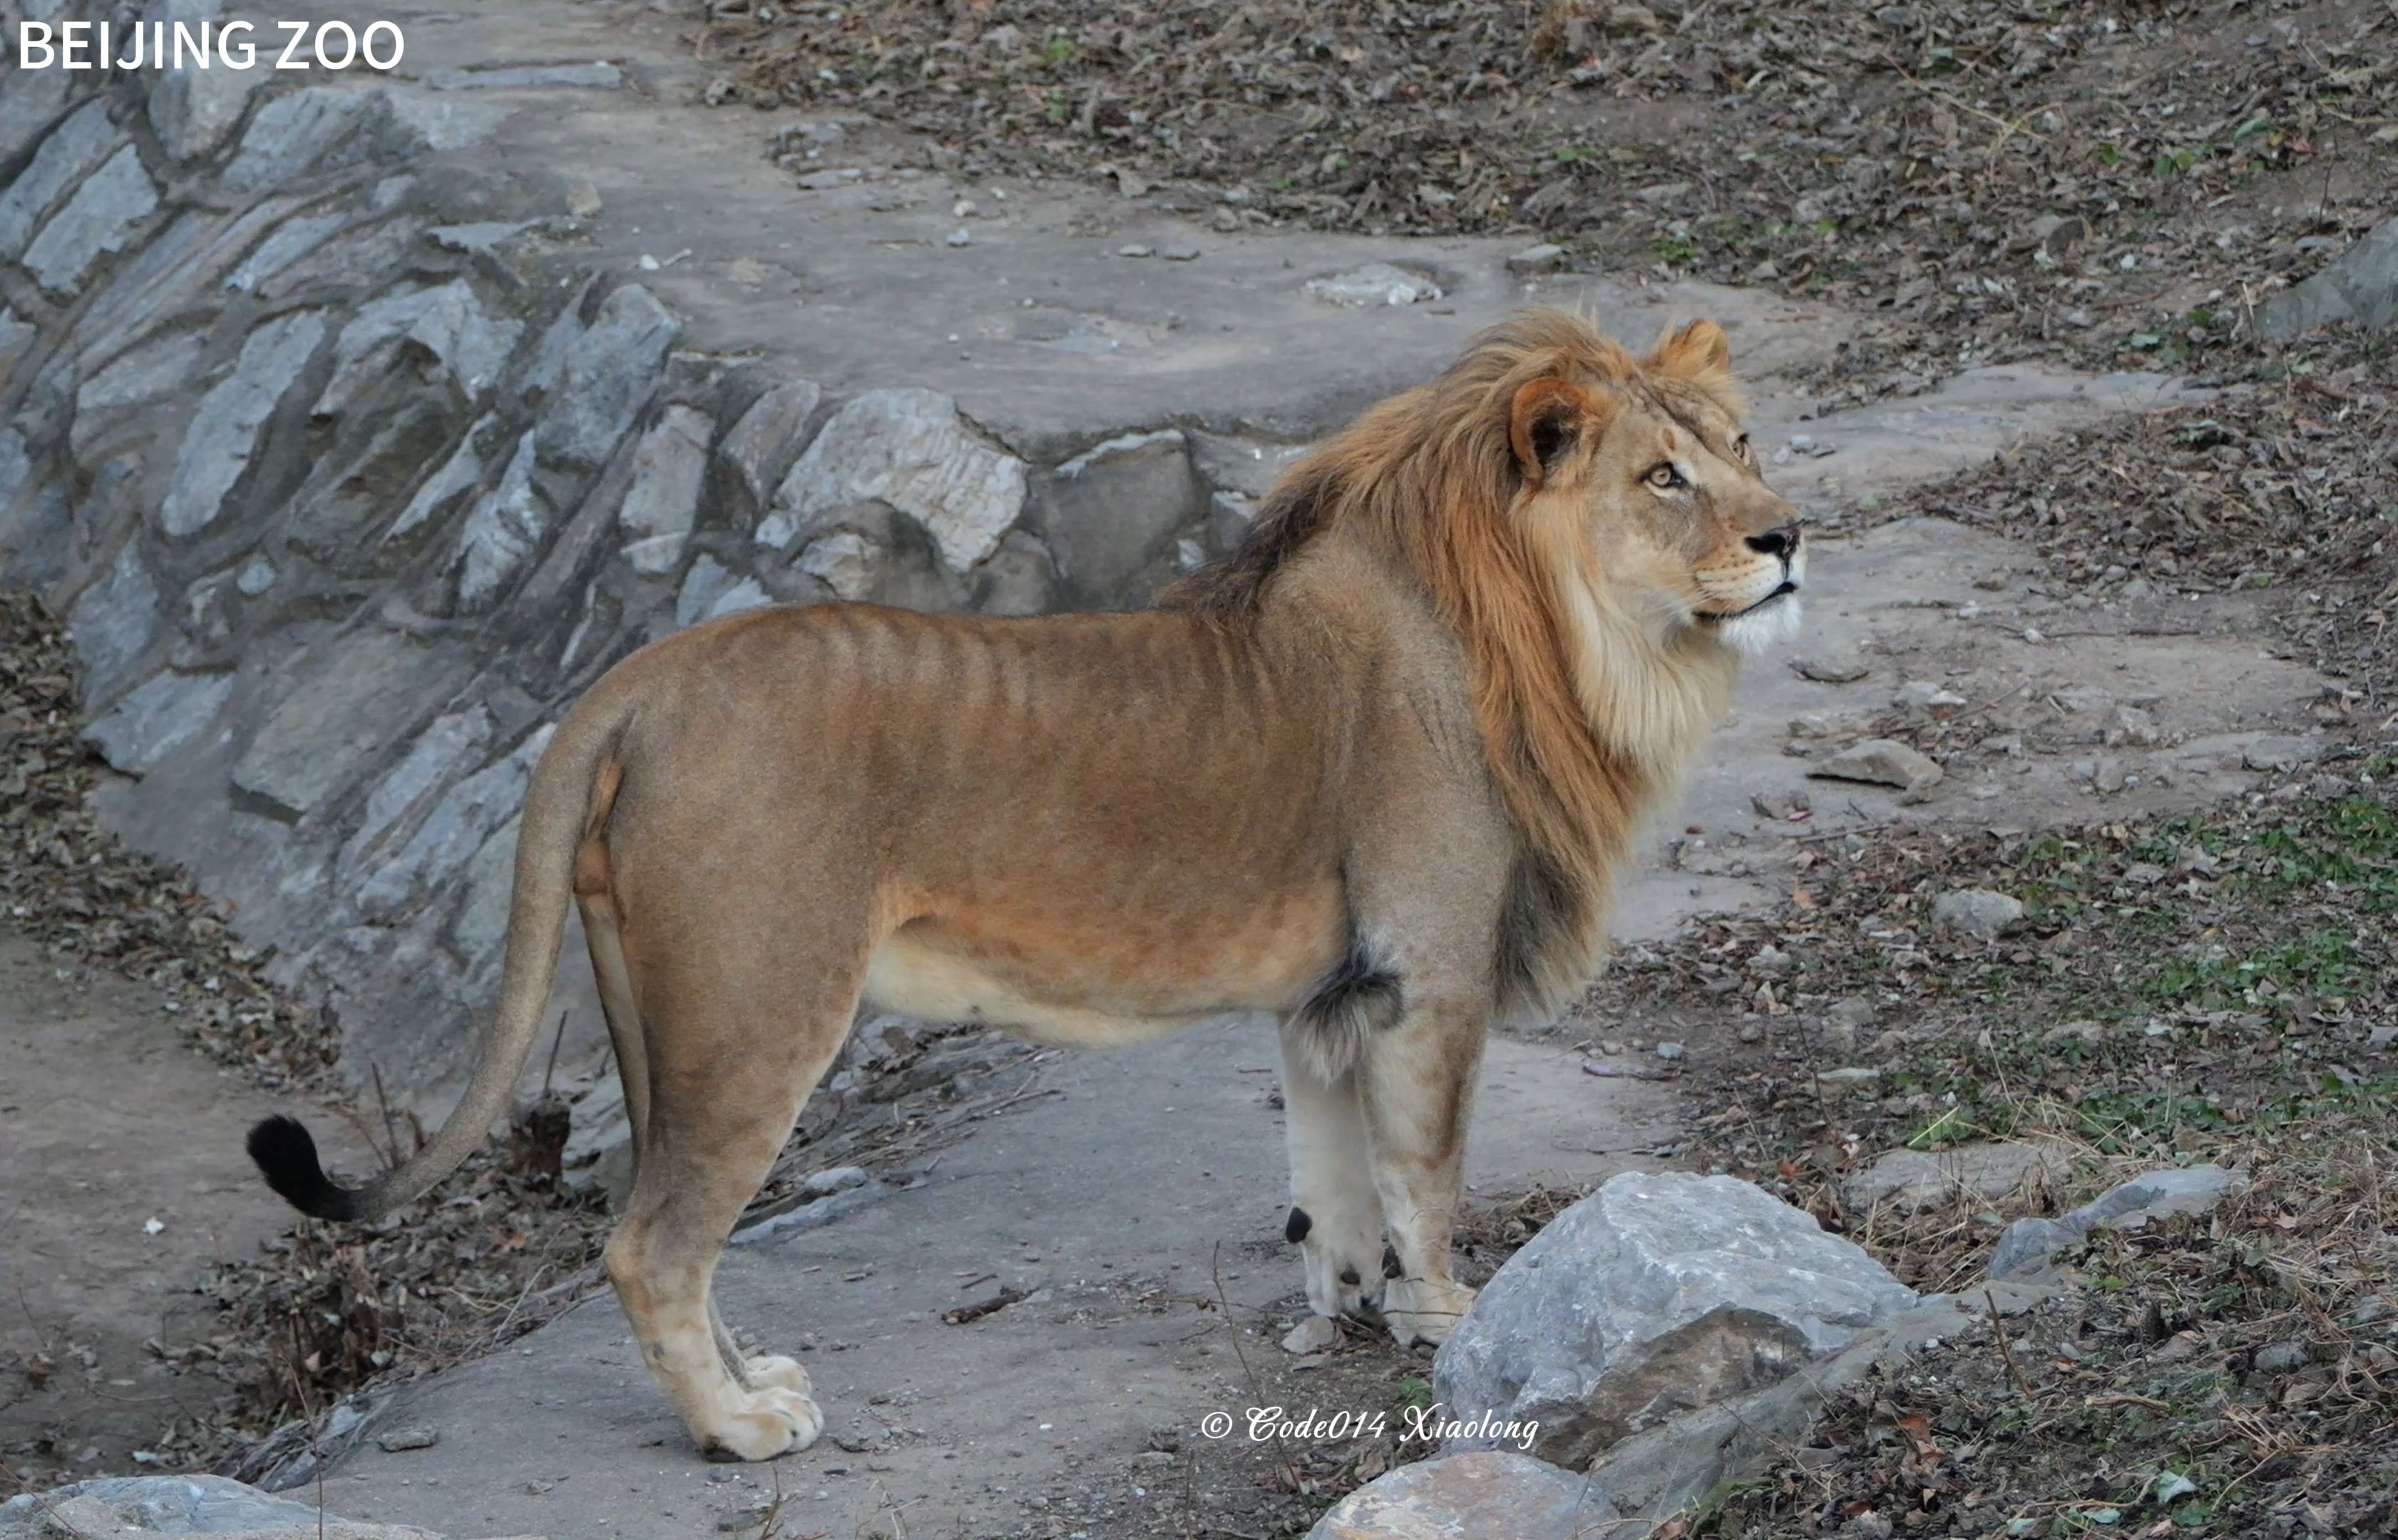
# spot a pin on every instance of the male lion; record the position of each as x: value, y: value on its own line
x: 1371, y: 773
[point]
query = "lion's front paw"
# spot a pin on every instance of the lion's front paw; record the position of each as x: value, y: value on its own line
x: 1420, y: 1310
x: 765, y: 1423
x: 1341, y: 1282
x: 775, y: 1373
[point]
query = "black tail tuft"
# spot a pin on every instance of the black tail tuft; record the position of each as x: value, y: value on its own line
x: 287, y: 1156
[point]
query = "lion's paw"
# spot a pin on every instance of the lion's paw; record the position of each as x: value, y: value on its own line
x: 1341, y: 1285
x: 775, y: 1373
x: 1420, y: 1310
x: 771, y: 1421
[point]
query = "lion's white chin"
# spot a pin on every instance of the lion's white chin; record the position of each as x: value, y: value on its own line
x: 1760, y: 630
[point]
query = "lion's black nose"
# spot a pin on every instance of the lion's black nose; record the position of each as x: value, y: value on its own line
x: 1782, y: 541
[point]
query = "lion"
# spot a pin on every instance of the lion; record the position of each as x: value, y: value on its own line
x: 1370, y: 772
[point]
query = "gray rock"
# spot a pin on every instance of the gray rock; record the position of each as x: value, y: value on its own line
x: 440, y: 752
x: 1977, y: 912
x: 200, y: 1504
x: 1545, y: 258
x: 293, y: 133
x: 909, y: 448
x: 508, y: 527
x: 99, y: 217
x: 73, y: 150
x: 458, y: 475
x: 1918, y: 1179
x: 16, y: 336
x: 292, y: 241
x: 1247, y: 467
x: 193, y: 111
x: 606, y: 373
x: 1663, y: 1469
x: 447, y: 322
x: 478, y: 238
x: 847, y: 561
x: 1315, y: 1334
x: 1828, y: 671
x: 1229, y: 519
x: 138, y: 733
x: 1374, y: 283
x: 702, y: 586
x: 223, y: 435
x: 15, y: 467
x: 1020, y: 578
x: 112, y: 622
x: 149, y: 373
x: 1924, y: 694
x: 33, y: 101
x: 1883, y: 761
x: 33, y: 533
x: 1112, y: 513
x: 833, y: 1179
x: 414, y: 1436
x: 2026, y: 1246
x: 761, y: 446
x: 456, y: 827
x: 1657, y: 1293
x: 662, y: 502
x: 439, y: 124
x: 748, y: 593
x: 602, y: 76
x: 356, y: 694
x: 2271, y: 751
x: 1492, y: 1493
x: 812, y: 1214
x: 2361, y: 287
x: 2129, y: 725
x: 482, y: 925
x: 2162, y: 1193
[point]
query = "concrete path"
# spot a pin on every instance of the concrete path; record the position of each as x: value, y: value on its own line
x: 1119, y: 1197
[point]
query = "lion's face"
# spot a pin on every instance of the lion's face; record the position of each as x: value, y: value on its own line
x: 1658, y: 475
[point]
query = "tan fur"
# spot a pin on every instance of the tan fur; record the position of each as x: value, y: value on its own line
x: 1372, y: 773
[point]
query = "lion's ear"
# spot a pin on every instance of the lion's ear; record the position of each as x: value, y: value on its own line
x: 1698, y: 352
x: 1548, y: 418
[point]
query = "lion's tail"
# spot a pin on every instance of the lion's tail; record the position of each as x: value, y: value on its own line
x: 569, y: 797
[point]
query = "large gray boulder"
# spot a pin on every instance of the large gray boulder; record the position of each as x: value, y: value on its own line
x: 135, y: 1506
x: 1490, y: 1493
x: 1659, y: 1292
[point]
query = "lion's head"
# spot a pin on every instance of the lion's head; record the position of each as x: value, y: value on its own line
x: 1647, y: 461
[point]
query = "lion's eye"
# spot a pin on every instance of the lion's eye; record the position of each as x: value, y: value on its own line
x: 1664, y: 476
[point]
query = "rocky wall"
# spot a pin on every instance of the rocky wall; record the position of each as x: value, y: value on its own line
x: 349, y: 476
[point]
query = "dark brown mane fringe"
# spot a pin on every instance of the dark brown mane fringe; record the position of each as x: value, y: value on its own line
x: 1295, y: 511
x: 1431, y: 477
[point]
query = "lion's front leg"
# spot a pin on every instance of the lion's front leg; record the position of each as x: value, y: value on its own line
x: 1416, y: 1088
x: 1336, y: 1217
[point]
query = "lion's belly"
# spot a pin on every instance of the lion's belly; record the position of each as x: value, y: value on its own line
x: 1108, y: 985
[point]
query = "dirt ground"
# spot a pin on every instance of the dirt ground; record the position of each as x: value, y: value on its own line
x: 122, y: 1183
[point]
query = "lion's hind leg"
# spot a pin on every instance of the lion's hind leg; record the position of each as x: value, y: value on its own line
x: 735, y: 1045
